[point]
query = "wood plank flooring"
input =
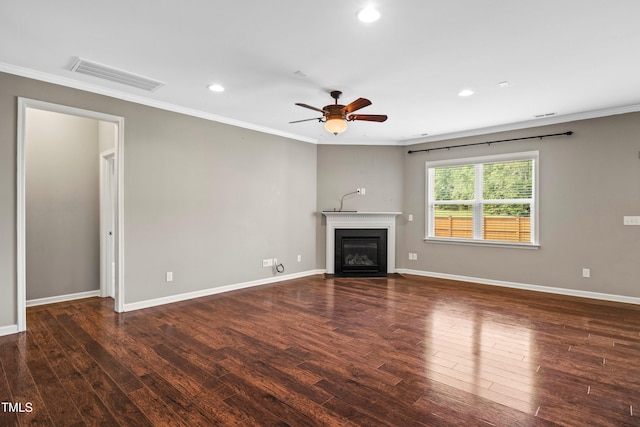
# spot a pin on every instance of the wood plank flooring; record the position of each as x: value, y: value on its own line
x: 397, y: 351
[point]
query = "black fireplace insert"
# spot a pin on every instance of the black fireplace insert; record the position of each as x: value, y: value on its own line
x: 361, y: 252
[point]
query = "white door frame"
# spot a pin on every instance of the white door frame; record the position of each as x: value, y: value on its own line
x: 23, y: 104
x: 107, y: 223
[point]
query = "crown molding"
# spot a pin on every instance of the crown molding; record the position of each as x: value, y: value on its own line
x: 545, y: 121
x: 88, y: 87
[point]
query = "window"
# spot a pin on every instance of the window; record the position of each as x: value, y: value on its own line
x: 488, y: 199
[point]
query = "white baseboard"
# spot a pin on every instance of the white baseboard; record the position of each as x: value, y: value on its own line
x: 525, y: 286
x: 217, y: 290
x: 62, y: 298
x: 8, y: 330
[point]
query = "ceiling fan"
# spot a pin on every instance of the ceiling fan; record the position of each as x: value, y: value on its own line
x: 336, y: 116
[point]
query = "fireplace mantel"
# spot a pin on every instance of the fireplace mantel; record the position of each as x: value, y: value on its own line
x: 344, y: 219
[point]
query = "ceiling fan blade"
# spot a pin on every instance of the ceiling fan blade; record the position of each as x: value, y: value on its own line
x: 310, y: 107
x: 307, y: 120
x: 356, y: 105
x: 368, y: 117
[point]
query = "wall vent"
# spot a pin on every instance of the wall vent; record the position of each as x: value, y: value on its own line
x: 95, y: 69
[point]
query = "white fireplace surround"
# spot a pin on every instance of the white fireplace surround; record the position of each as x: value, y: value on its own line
x: 336, y: 220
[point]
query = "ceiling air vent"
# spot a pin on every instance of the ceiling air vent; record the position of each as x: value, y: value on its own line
x: 95, y: 69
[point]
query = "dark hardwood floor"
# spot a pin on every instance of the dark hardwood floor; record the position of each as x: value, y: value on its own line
x: 400, y: 351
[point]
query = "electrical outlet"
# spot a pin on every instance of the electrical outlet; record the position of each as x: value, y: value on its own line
x: 169, y: 276
x: 267, y: 263
x: 363, y: 191
x: 631, y: 220
x: 299, y: 258
x: 413, y: 256
x: 586, y: 272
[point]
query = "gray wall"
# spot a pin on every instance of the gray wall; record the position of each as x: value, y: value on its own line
x: 205, y: 200
x: 343, y: 168
x: 588, y: 182
x: 62, y: 204
x: 8, y: 135
x: 209, y: 202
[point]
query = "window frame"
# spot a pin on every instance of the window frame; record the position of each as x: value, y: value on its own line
x: 477, y: 204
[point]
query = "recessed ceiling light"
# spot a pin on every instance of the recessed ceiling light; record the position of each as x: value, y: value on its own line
x: 369, y: 14
x: 503, y: 84
x: 465, y: 92
x: 216, y: 88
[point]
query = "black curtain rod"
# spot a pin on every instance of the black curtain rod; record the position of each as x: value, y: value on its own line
x: 491, y: 142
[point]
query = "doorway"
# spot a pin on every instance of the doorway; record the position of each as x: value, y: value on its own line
x: 111, y: 212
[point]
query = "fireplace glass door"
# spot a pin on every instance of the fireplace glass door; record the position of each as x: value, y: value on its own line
x: 361, y: 252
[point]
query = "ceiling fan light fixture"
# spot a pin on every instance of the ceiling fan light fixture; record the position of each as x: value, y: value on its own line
x: 335, y: 116
x: 335, y: 125
x: 369, y: 14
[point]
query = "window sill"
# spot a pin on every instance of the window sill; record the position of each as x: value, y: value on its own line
x: 466, y: 242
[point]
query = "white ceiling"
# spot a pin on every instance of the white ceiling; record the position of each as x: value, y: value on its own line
x: 560, y: 56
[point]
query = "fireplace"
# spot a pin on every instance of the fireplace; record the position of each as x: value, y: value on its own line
x: 361, y: 252
x: 360, y: 220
